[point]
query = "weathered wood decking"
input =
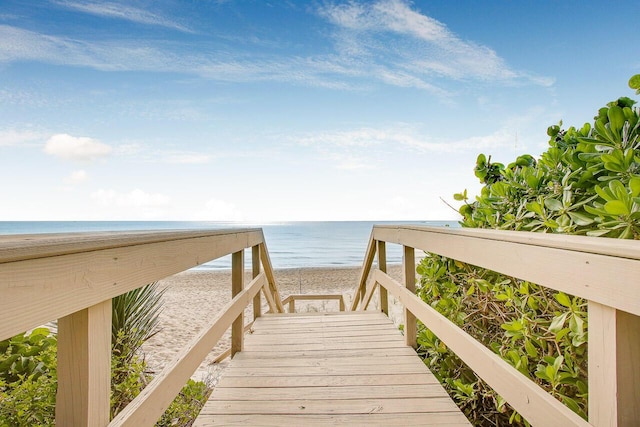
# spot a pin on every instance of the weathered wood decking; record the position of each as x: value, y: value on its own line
x: 348, y: 368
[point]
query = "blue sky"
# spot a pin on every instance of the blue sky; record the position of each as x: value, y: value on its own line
x: 264, y: 111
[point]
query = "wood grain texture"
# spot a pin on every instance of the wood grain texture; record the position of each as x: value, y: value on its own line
x: 59, y: 280
x: 84, y: 367
x: 237, y: 284
x: 382, y: 266
x: 595, y: 268
x: 331, y: 376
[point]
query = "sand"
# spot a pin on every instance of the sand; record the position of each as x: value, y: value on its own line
x: 192, y: 300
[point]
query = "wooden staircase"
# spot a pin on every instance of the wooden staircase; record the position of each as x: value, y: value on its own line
x: 344, y: 368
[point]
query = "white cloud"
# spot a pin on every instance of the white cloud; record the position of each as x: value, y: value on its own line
x: 121, y: 11
x: 77, y: 177
x: 16, y: 137
x: 69, y: 147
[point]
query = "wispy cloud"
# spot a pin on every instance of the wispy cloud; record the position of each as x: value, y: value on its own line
x: 366, y: 148
x: 386, y: 42
x: 123, y: 12
x: 14, y: 137
x: 416, y: 43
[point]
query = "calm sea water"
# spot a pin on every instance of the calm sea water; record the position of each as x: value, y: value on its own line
x: 290, y: 244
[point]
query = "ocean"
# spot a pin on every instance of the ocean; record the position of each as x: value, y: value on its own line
x: 290, y: 244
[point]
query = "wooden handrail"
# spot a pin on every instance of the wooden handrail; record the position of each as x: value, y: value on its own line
x: 156, y: 397
x: 60, y: 279
x: 73, y: 277
x: 523, y: 394
x: 603, y: 271
x: 291, y: 299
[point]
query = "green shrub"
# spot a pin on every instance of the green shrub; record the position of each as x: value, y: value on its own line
x: 28, y: 379
x: 588, y: 183
x: 28, y: 376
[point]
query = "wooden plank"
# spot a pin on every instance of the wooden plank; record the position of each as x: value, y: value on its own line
x: 273, y: 307
x: 237, y: 283
x: 345, y: 353
x: 84, y: 367
x: 328, y: 381
x: 534, y: 403
x: 323, y: 347
x: 324, y: 393
x: 36, y: 291
x: 597, y: 245
x: 19, y: 247
x: 410, y: 360
x: 255, y: 270
x: 409, y: 267
x: 382, y: 266
x: 309, y: 376
x: 381, y: 330
x: 268, y: 269
x: 370, y: 289
x: 598, y: 269
x: 281, y: 328
x: 258, y: 371
x: 614, y: 345
x: 149, y: 405
x: 359, y: 291
x: 448, y: 419
x: 322, y: 317
x: 331, y: 406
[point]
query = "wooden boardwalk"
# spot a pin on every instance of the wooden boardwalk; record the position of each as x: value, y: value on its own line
x: 342, y: 368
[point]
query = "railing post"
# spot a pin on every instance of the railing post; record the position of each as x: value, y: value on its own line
x: 614, y: 374
x: 237, y: 283
x: 255, y: 265
x: 84, y: 367
x: 409, y: 264
x: 382, y: 265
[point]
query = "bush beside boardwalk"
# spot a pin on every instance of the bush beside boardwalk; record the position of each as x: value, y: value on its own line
x: 588, y: 183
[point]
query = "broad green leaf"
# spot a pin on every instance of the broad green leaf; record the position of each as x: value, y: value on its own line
x: 634, y: 83
x: 563, y: 299
x: 558, y: 322
x: 616, y: 207
x: 616, y: 119
x: 634, y: 184
x: 535, y: 207
x: 553, y: 204
x: 530, y: 349
x: 580, y: 219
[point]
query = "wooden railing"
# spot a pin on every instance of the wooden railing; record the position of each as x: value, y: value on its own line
x: 291, y: 300
x: 606, y: 272
x: 73, y: 277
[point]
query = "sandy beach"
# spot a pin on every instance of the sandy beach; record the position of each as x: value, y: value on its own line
x: 192, y: 300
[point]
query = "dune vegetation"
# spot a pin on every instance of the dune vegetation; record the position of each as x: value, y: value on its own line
x: 586, y: 183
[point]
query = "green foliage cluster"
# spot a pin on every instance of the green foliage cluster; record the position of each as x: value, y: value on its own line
x: 588, y: 183
x: 28, y: 377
